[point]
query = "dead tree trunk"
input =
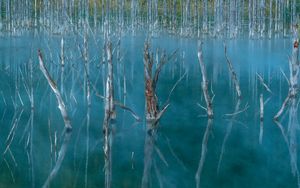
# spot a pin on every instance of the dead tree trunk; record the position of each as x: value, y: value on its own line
x: 109, y: 95
x: 151, y: 98
x: 153, y: 113
x: 294, y: 67
x: 204, y: 84
x: 109, y: 110
x: 62, y: 64
x: 110, y: 114
x: 63, y: 111
x: 52, y: 84
x: 233, y: 74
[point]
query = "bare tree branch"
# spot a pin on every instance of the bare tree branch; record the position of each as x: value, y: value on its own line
x: 233, y: 74
x: 263, y: 83
x: 52, y: 84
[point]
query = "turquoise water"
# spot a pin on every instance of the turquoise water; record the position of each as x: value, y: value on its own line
x: 241, y: 151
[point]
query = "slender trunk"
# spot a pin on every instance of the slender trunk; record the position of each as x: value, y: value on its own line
x: 52, y: 84
x: 250, y: 19
x: 95, y: 13
x: 205, y: 16
x: 109, y: 82
x: 62, y: 64
x: 204, y: 84
x: 233, y: 74
x: 270, y: 18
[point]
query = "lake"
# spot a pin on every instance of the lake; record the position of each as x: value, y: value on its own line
x: 234, y: 149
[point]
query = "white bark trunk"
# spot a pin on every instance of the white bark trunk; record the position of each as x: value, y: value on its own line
x: 204, y: 84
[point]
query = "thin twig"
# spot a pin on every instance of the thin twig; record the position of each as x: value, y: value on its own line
x: 238, y: 112
x: 136, y: 117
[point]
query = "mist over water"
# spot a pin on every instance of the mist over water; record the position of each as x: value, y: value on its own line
x: 84, y: 86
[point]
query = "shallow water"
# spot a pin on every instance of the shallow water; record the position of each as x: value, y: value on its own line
x: 241, y: 151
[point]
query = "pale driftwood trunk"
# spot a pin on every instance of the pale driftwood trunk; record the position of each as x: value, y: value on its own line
x: 233, y: 74
x: 204, y: 84
x: 52, y: 84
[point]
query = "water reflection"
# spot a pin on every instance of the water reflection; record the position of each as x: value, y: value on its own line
x: 88, y: 114
x: 203, y: 152
x: 107, y: 148
x: 228, y: 131
x: 61, y: 155
x: 87, y: 160
x: 150, y: 162
x: 290, y: 136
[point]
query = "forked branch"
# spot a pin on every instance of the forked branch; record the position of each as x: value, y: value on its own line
x: 52, y: 84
